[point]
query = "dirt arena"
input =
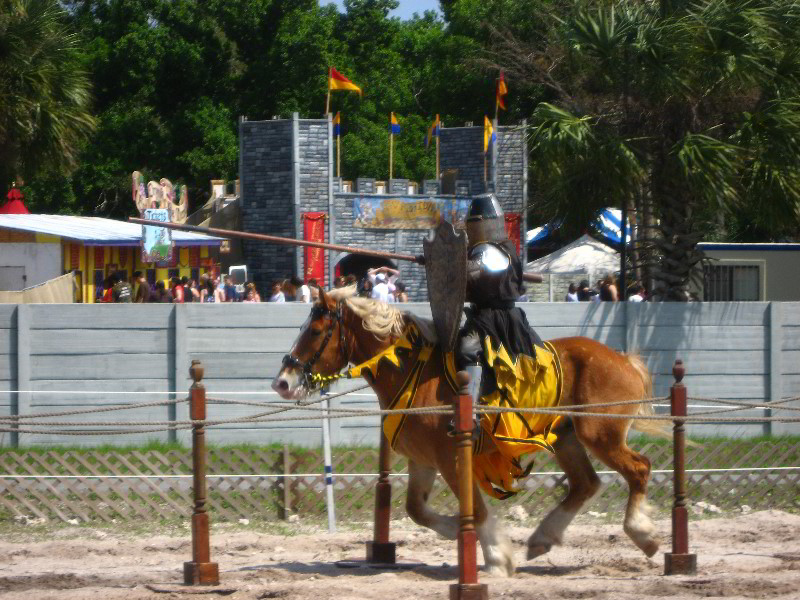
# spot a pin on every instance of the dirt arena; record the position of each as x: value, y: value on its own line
x: 746, y: 556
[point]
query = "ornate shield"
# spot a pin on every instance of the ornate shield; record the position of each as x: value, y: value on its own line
x: 446, y: 268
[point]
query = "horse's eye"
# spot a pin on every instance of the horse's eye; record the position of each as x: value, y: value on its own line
x: 315, y: 330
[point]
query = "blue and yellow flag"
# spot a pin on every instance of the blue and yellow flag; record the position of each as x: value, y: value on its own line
x: 337, y: 124
x: 489, y: 136
x: 433, y: 131
x: 394, y: 126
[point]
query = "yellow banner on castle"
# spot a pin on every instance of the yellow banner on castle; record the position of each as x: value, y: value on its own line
x: 407, y: 212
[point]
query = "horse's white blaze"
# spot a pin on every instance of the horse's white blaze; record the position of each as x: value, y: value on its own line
x: 498, y: 555
x: 288, y: 383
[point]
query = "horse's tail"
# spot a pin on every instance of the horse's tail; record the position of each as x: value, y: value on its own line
x: 657, y: 428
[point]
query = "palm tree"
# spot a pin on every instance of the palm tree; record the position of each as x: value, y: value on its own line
x: 685, y: 109
x: 44, y: 92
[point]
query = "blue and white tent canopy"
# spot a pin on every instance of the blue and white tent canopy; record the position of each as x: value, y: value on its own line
x: 608, y: 225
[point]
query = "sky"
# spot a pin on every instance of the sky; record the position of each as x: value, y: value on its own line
x: 405, y: 11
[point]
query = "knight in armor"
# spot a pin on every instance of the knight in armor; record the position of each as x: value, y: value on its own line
x: 494, y: 282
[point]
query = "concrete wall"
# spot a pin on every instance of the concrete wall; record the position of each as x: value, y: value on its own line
x: 42, y: 261
x: 782, y: 276
x: 57, y: 357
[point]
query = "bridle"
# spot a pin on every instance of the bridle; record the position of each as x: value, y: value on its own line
x: 311, y: 381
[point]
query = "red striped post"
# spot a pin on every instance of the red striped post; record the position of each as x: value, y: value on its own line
x: 200, y: 571
x: 679, y: 561
x: 380, y: 549
x: 467, y: 587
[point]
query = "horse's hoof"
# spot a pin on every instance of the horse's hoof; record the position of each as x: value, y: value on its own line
x: 536, y: 550
x: 649, y: 548
x: 500, y: 571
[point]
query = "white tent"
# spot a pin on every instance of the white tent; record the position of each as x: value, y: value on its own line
x: 585, y: 256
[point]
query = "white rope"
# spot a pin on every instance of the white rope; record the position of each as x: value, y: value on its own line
x: 309, y: 475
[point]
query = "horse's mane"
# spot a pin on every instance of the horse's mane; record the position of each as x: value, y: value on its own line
x: 382, y: 319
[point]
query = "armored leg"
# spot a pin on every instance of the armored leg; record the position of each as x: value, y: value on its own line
x: 468, y: 358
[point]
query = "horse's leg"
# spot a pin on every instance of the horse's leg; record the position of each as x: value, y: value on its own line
x: 607, y: 441
x: 583, y: 484
x: 420, y: 483
x: 498, y: 554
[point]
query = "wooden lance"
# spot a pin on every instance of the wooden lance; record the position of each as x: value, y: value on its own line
x: 262, y: 237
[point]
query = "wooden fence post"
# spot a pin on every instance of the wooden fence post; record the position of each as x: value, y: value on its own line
x: 380, y: 549
x: 679, y: 561
x: 467, y: 587
x: 200, y: 571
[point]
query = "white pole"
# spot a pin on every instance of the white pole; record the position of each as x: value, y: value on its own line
x: 326, y: 445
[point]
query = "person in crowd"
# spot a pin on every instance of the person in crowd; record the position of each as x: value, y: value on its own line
x: 276, y: 294
x: 400, y: 293
x: 177, y: 290
x: 338, y: 282
x: 122, y: 292
x: 219, y: 290
x: 382, y: 280
x: 302, y: 291
x: 108, y: 284
x: 141, y: 289
x: 231, y: 295
x: 161, y: 294
x: 365, y: 289
x: 192, y: 291
x: 585, y: 293
x: 637, y: 293
x: 251, y: 294
x: 572, y: 293
x: 350, y: 280
x: 608, y: 289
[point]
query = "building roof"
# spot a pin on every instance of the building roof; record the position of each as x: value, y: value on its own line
x: 96, y: 231
x: 768, y: 246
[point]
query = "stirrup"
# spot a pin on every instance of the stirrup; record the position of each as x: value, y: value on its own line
x: 476, y: 428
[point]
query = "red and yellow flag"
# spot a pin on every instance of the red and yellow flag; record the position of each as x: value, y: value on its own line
x: 502, y: 90
x: 337, y: 81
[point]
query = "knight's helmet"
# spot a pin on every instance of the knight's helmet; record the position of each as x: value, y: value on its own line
x: 485, y: 221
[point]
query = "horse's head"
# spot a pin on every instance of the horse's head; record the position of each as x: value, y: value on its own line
x: 321, y: 348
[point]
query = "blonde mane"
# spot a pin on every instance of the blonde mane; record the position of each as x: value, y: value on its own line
x: 379, y: 318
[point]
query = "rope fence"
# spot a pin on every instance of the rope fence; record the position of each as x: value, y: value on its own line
x: 11, y: 423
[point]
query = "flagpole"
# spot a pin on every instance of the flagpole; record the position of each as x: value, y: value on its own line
x: 338, y: 155
x: 438, y: 133
x: 496, y: 103
x: 328, y: 98
x: 391, y: 147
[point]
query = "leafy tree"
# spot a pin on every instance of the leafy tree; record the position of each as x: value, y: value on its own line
x: 685, y: 109
x: 44, y: 111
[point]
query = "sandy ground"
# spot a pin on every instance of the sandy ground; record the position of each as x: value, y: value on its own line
x: 747, y: 556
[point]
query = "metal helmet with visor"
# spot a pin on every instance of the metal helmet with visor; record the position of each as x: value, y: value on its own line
x: 485, y: 221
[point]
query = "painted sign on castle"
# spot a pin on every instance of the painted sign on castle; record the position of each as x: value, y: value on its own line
x: 408, y: 212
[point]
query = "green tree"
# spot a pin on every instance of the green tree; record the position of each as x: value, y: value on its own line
x: 44, y: 111
x: 689, y: 110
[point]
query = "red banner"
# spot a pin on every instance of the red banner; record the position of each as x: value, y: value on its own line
x: 99, y: 257
x: 123, y: 257
x: 513, y: 221
x: 314, y: 231
x: 194, y: 256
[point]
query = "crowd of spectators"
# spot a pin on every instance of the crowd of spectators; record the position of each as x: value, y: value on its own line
x: 605, y: 290
x: 381, y: 284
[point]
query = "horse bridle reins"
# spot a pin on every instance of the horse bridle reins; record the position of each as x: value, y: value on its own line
x: 311, y: 380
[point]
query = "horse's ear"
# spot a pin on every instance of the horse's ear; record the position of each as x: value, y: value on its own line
x: 325, y: 299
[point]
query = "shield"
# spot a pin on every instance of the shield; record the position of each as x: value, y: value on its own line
x: 446, y: 268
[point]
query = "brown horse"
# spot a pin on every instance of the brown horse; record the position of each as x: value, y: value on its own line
x: 346, y: 329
